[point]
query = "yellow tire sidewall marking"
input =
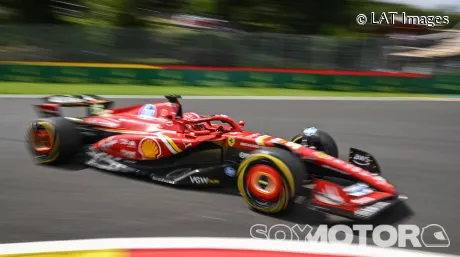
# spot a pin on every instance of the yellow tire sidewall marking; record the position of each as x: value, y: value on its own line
x: 287, y: 177
x: 297, y: 139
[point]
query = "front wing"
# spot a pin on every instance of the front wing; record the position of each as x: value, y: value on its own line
x: 357, y: 201
x: 364, y: 213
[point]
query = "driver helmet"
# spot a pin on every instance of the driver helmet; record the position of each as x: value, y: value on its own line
x: 192, y: 116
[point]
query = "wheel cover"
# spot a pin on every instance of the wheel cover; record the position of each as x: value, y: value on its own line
x: 41, y: 141
x: 264, y: 182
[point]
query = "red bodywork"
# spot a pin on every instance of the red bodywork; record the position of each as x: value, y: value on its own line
x: 160, y: 130
x: 161, y: 135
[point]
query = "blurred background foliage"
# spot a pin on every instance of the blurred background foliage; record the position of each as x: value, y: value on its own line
x: 325, y: 17
x: 259, y: 33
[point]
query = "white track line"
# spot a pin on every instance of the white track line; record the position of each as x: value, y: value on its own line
x: 210, y: 243
x: 269, y: 98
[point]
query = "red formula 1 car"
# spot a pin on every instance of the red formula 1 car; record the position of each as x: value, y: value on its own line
x: 160, y: 141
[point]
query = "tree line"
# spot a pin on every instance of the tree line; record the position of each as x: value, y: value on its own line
x: 324, y: 17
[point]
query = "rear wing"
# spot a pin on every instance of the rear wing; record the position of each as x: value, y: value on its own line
x: 51, y: 105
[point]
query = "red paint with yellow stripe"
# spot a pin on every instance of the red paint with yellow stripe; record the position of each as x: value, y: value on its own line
x: 176, y: 253
x: 97, y: 253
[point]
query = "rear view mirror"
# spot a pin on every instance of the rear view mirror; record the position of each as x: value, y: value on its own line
x: 241, y: 123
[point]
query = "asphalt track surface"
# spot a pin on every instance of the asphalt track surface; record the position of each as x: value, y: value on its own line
x: 416, y: 143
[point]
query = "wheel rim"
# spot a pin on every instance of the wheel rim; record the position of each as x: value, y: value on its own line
x: 41, y: 141
x: 264, y: 182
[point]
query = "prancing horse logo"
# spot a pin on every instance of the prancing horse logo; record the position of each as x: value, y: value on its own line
x: 231, y: 141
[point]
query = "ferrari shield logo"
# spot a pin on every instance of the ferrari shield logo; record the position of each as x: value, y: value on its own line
x: 230, y: 141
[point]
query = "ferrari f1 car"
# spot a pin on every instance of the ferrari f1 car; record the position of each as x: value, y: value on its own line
x: 168, y: 145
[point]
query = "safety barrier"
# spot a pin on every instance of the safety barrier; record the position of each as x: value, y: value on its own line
x: 346, y: 81
x: 200, y: 247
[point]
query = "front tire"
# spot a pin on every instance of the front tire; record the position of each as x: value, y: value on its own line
x: 269, y: 180
x: 321, y: 140
x: 52, y: 140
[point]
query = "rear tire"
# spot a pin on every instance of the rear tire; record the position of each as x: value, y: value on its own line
x: 52, y: 140
x: 322, y: 141
x: 269, y: 179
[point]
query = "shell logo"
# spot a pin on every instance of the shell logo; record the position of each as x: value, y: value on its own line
x: 149, y: 148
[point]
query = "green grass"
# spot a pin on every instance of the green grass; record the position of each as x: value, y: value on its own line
x: 43, y: 89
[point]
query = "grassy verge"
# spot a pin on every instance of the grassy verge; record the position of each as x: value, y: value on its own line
x: 43, y: 89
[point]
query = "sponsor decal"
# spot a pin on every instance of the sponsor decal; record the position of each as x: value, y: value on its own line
x: 244, y: 155
x: 361, y: 160
x: 191, y: 116
x: 108, y: 144
x: 254, y: 135
x: 334, y: 169
x: 310, y: 131
x: 371, y: 210
x: 363, y: 200
x: 187, y: 145
x: 96, y: 109
x: 128, y: 154
x: 379, y: 178
x: 358, y: 170
x: 88, y: 98
x: 130, y: 161
x: 160, y: 179
x: 349, y: 166
x: 249, y: 145
x: 107, y: 162
x: 204, y: 180
x: 172, y: 105
x: 164, y: 113
x: 149, y: 148
x: 169, y: 123
x: 330, y: 195
x: 153, y: 128
x: 230, y: 141
x: 229, y: 171
x: 293, y: 145
x: 322, y: 155
x: 148, y: 112
x: 128, y: 143
x: 340, y: 162
x: 358, y: 189
x: 361, y: 172
x: 65, y: 99
x: 279, y: 141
